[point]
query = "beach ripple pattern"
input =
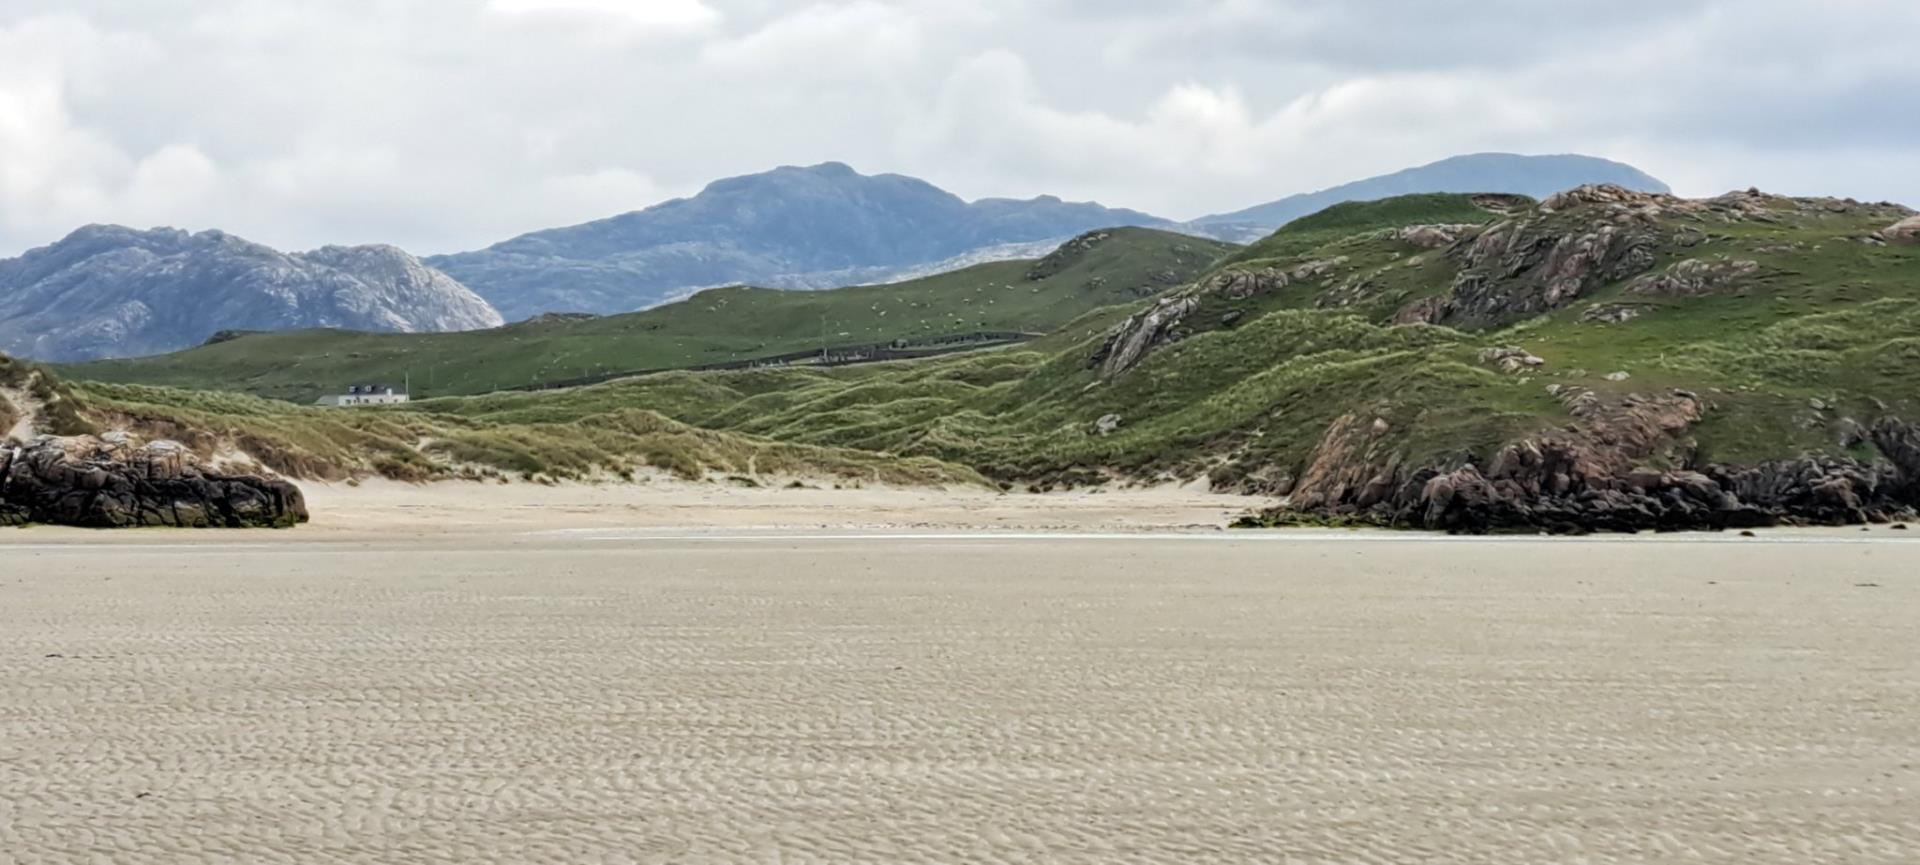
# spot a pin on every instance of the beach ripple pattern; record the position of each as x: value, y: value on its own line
x: 1069, y: 701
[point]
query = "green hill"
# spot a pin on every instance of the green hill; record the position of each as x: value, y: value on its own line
x: 1098, y: 269
x: 1602, y: 359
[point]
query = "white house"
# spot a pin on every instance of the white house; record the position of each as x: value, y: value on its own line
x: 363, y: 394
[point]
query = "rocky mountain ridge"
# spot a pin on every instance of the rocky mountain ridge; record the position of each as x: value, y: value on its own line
x: 819, y: 226
x: 112, y: 291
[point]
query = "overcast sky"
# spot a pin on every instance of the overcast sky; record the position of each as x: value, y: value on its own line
x: 444, y: 125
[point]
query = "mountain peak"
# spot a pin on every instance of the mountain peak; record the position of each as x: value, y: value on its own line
x: 1535, y: 176
x: 112, y: 291
x: 815, y: 226
x: 833, y: 169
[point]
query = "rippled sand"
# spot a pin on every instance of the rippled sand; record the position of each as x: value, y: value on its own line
x: 528, y: 696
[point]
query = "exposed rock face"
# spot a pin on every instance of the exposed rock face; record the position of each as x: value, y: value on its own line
x: 1592, y: 477
x: 1547, y: 259
x: 108, y: 291
x: 113, y: 482
x: 1134, y: 338
x: 1435, y: 236
x: 1141, y: 331
x: 1906, y: 231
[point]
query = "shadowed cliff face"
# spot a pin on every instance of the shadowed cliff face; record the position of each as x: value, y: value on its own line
x: 108, y: 291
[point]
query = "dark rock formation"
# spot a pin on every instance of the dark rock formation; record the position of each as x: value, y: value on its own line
x: 110, y: 482
x: 1593, y: 476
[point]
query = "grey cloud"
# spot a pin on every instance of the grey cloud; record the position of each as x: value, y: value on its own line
x: 441, y: 126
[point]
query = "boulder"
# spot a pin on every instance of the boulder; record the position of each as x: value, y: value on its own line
x: 114, y: 481
x: 1906, y: 231
x: 1611, y: 313
x: 1511, y: 359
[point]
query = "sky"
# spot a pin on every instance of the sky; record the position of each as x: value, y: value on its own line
x: 446, y: 125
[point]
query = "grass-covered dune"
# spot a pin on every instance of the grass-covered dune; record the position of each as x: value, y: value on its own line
x: 1099, y: 269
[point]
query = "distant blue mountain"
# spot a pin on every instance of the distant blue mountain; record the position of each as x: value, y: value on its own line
x: 813, y: 227
x: 1533, y: 176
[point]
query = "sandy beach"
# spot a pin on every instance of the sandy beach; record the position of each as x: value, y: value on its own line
x: 463, y: 674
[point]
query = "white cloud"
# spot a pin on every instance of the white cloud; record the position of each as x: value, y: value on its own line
x: 827, y: 40
x: 669, y: 17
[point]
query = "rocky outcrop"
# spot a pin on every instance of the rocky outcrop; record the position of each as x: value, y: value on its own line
x: 112, y: 481
x: 1435, y: 236
x: 1612, y: 313
x: 1570, y: 245
x: 1906, y: 231
x: 1695, y: 278
x: 109, y: 291
x: 1067, y: 255
x: 1511, y: 359
x: 1129, y: 343
x: 1594, y: 476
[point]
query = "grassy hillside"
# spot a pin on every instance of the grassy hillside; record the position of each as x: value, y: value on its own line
x: 1826, y: 319
x: 1096, y: 270
x: 1358, y: 346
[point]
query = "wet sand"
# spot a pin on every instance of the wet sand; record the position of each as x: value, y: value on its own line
x: 607, y: 685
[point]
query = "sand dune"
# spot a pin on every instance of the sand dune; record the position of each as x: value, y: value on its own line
x: 522, y: 695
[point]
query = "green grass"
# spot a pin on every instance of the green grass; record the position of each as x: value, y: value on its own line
x: 1302, y: 236
x: 405, y: 443
x: 1826, y: 321
x: 713, y: 326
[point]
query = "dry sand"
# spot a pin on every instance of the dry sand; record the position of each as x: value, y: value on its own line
x: 577, y: 678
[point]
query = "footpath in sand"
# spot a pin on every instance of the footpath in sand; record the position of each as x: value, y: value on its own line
x: 615, y: 682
